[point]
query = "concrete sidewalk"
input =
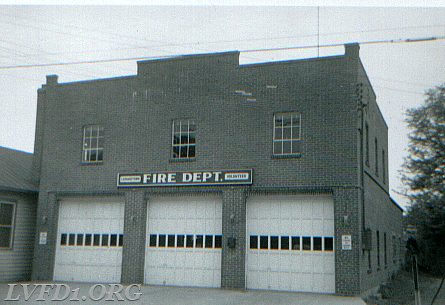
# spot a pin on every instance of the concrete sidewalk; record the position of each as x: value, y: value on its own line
x: 82, y: 293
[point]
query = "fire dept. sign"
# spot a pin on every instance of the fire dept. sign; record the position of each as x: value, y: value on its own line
x: 189, y: 178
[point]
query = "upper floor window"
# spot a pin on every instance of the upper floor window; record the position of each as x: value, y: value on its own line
x: 93, y: 144
x: 383, y: 167
x: 183, y: 139
x: 367, y: 144
x: 376, y: 157
x: 287, y: 133
x: 6, y: 224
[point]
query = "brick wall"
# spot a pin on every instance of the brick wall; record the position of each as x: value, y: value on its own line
x: 232, y: 132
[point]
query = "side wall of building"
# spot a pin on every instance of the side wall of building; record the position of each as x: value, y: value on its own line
x: 17, y: 262
x: 381, y: 216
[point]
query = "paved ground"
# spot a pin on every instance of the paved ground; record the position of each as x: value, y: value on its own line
x: 160, y: 295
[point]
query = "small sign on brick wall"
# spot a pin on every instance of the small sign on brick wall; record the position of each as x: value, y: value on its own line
x: 42, y: 239
x: 346, y: 242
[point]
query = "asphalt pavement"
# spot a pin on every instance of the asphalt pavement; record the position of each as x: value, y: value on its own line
x: 33, y: 293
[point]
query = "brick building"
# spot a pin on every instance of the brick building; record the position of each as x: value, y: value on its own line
x: 199, y: 171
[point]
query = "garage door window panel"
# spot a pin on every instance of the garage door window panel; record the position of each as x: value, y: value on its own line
x: 306, y: 243
x: 295, y: 242
x: 171, y: 241
x: 329, y: 244
x: 264, y: 242
x: 180, y: 241
x: 284, y: 242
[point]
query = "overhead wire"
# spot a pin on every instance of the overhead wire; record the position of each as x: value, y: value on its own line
x: 416, y: 40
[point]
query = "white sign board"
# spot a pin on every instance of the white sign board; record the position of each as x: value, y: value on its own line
x: 346, y: 242
x: 42, y: 239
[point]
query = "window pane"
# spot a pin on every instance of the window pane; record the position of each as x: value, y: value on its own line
x: 105, y: 240
x: 306, y: 243
x: 96, y: 240
x: 278, y: 120
x: 171, y: 241
x: 317, y: 243
x: 100, y: 143
x: 199, y: 241
x: 175, y: 151
x: 277, y: 148
x: 264, y: 243
x: 328, y: 243
x: 184, y: 138
x: 161, y: 240
x: 72, y: 239
x: 100, y: 155
x: 192, y: 126
x: 295, y: 242
x: 295, y: 147
x: 218, y: 241
x: 121, y: 240
x: 192, y: 138
x: 253, y: 242
x: 87, y: 239
x: 296, y: 120
x: 153, y: 238
x: 63, y: 239
x: 93, y: 155
x: 183, y: 151
x: 209, y: 241
x: 295, y: 133
x: 287, y: 120
x: 287, y: 147
x: 79, y: 240
x: 284, y: 242
x: 287, y: 133
x: 6, y: 212
x: 192, y: 151
x: 274, y: 242
x: 177, y: 126
x: 180, y: 241
x: 176, y: 137
x: 113, y: 240
x: 278, y: 133
x: 5, y: 237
x: 189, y: 241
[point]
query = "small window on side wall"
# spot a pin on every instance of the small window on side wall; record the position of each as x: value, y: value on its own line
x: 287, y: 134
x: 93, y: 144
x: 6, y: 224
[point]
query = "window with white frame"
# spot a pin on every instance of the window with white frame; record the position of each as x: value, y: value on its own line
x: 183, y: 139
x: 6, y: 224
x: 287, y: 133
x: 93, y: 144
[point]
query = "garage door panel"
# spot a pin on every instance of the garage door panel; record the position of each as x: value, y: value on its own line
x: 79, y: 259
x: 301, y: 259
x: 192, y: 223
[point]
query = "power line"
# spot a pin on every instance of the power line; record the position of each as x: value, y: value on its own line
x: 242, y: 51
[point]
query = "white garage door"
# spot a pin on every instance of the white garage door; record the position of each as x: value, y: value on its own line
x: 290, y: 243
x: 89, y: 241
x: 184, y: 241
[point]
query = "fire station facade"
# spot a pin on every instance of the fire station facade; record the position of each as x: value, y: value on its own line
x: 202, y: 172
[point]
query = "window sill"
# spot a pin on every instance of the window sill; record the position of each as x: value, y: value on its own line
x: 93, y: 163
x: 294, y: 156
x: 182, y: 160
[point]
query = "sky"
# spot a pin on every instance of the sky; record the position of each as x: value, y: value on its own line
x: 82, y: 42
